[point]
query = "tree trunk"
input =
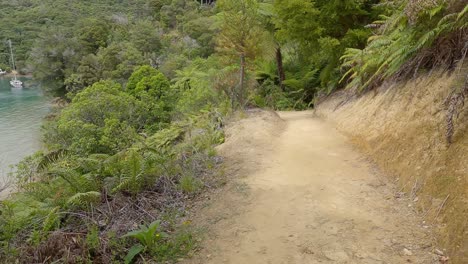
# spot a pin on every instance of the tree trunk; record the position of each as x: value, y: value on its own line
x: 242, y: 80
x: 279, y: 64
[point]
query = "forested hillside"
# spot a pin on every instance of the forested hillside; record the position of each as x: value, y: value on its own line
x: 144, y: 88
x: 72, y: 44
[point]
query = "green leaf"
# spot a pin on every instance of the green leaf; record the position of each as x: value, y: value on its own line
x: 135, y: 250
x: 462, y: 13
x: 436, y: 10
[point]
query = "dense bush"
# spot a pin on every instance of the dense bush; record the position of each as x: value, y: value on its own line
x: 100, y: 119
x: 115, y: 147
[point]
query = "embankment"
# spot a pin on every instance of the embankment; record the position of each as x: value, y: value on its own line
x: 402, y: 128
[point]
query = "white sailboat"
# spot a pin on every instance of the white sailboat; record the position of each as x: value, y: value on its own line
x: 15, y: 83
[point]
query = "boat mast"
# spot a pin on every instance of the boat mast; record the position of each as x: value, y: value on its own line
x: 12, y: 56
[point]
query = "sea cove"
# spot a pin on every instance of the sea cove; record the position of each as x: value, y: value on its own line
x: 21, y: 114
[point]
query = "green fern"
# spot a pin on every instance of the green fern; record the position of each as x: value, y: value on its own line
x: 83, y: 200
x: 397, y: 44
x: 52, y: 220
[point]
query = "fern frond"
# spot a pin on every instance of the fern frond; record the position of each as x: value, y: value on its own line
x: 436, y: 10
x: 462, y: 13
x: 52, y: 220
x: 84, y: 199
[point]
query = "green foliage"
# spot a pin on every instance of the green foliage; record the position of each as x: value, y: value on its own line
x: 93, y: 34
x: 402, y: 43
x: 100, y: 119
x: 81, y: 43
x: 153, y: 88
x: 159, y: 244
x: 148, y: 89
x: 270, y: 95
x: 146, y: 79
x: 22, y: 21
x: 51, y: 221
x: 239, y: 25
x: 195, y: 85
x: 82, y: 200
x: 119, y: 60
x: 151, y: 240
x: 189, y: 184
x: 322, y: 30
x: 294, y: 18
x: 125, y: 131
x: 133, y: 252
x: 149, y: 236
x: 134, y: 172
x: 92, y: 238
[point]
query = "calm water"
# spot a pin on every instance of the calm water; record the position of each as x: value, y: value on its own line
x: 21, y: 113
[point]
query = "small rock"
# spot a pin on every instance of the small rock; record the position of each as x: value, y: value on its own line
x: 336, y: 255
x: 399, y: 195
x: 208, y: 256
x: 263, y: 250
x: 439, y: 252
x: 444, y: 260
x: 361, y: 255
x: 407, y: 252
x: 416, y: 199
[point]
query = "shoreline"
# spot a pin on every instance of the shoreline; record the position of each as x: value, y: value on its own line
x: 29, y: 75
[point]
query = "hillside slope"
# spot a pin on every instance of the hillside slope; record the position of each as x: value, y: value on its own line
x: 402, y: 128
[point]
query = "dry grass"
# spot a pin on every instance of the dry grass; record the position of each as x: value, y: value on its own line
x: 403, y: 129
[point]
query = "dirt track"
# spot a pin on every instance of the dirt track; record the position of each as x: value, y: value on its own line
x: 305, y: 196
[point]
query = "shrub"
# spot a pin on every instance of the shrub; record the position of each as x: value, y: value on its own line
x: 152, y: 88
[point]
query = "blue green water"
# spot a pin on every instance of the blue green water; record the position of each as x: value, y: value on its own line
x: 21, y: 114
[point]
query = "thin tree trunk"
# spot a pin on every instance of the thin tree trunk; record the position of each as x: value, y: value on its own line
x: 242, y: 79
x: 279, y: 64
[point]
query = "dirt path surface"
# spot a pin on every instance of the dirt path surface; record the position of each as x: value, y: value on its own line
x: 303, y: 195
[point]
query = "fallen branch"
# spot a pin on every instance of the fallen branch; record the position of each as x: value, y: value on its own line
x: 441, y: 206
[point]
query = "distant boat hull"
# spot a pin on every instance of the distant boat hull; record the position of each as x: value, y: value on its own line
x: 16, y: 83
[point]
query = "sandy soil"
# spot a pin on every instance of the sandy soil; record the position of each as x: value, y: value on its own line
x: 301, y: 194
x: 401, y: 127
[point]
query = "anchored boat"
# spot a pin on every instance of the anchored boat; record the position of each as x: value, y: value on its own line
x: 15, y: 83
